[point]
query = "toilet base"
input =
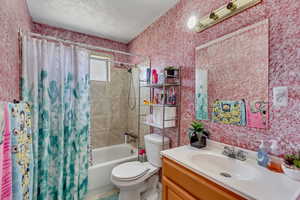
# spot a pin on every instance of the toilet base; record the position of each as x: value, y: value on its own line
x: 129, y: 195
x: 140, y: 192
x: 132, y: 193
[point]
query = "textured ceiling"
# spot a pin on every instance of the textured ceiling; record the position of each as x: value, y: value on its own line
x: 119, y: 20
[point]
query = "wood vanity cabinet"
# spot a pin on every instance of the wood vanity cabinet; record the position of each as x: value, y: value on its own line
x: 180, y: 183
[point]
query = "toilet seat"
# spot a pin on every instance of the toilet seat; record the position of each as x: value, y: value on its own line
x: 137, y: 180
x: 129, y: 171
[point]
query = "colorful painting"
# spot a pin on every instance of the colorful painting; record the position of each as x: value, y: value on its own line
x: 229, y: 112
x: 257, y: 114
x: 201, y: 94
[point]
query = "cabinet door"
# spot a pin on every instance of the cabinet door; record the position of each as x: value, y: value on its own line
x: 195, y: 185
x: 171, y: 191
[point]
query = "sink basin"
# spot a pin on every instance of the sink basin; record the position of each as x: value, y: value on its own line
x: 224, y: 166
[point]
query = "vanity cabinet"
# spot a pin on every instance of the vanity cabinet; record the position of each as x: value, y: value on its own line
x: 180, y: 183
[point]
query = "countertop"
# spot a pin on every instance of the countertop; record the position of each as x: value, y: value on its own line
x: 267, y: 185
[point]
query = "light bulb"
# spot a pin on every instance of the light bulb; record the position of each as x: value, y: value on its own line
x: 192, y: 22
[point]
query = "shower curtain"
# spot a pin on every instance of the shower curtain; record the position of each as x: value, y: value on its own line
x: 55, y: 80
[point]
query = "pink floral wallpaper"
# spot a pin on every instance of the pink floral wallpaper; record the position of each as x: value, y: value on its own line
x: 169, y: 42
x: 13, y: 15
x: 83, y: 38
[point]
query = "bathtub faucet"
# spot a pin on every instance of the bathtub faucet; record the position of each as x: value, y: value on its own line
x: 130, y: 135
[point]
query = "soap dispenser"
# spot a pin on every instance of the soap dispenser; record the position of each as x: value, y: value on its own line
x: 275, y: 162
x: 262, y: 155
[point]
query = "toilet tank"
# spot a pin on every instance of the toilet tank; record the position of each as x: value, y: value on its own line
x: 154, y: 145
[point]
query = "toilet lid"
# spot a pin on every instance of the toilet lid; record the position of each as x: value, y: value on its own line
x: 129, y: 171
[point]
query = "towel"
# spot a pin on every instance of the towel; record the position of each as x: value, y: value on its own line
x: 257, y: 114
x: 2, y: 121
x: 1, y: 144
x: 201, y: 94
x: 22, y: 156
x: 5, y: 159
x: 229, y: 112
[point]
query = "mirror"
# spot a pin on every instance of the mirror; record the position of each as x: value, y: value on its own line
x: 232, y: 78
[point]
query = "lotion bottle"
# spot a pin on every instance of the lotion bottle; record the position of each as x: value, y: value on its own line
x: 262, y: 155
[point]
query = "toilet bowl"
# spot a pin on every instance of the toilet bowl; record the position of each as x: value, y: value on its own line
x: 136, y: 178
x: 133, y: 178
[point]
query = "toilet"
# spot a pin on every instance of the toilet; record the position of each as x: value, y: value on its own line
x: 135, y: 179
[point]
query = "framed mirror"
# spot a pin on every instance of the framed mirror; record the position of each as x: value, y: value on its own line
x: 232, y: 78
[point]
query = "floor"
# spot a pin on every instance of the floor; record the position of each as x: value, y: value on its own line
x: 113, y: 194
x: 108, y: 195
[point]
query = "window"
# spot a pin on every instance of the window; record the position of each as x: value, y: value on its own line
x: 100, y: 68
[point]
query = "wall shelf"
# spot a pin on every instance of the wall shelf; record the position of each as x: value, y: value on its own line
x: 170, y: 117
x: 161, y: 105
x: 160, y: 85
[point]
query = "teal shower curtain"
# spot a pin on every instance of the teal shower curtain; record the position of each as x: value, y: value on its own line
x: 55, y: 80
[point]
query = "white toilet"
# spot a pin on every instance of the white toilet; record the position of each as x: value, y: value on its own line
x: 135, y: 178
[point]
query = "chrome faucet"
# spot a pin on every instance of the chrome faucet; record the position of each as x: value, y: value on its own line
x: 232, y: 153
x: 129, y: 136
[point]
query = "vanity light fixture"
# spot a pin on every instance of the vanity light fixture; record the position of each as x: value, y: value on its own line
x: 230, y: 9
x: 231, y: 5
x: 213, y: 16
x: 192, y: 22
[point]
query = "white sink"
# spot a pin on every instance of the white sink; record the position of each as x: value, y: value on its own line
x: 224, y: 166
x: 246, y: 177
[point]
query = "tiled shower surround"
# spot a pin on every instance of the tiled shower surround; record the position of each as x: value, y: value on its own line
x: 109, y: 110
x: 169, y: 42
x: 111, y: 116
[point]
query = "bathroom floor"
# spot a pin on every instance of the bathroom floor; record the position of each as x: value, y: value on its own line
x: 109, y: 195
x: 114, y: 195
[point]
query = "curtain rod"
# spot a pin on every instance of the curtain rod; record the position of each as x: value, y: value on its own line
x: 80, y: 44
x: 117, y: 62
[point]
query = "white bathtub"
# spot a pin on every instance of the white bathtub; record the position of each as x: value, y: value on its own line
x: 104, y: 160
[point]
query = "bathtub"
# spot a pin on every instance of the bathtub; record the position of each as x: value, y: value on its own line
x: 104, y: 160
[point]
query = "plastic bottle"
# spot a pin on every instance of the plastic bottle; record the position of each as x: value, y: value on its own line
x: 262, y: 155
x: 173, y: 97
x: 275, y: 162
x: 154, y: 76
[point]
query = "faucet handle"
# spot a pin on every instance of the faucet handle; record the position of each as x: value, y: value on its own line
x: 242, y: 155
x: 228, y: 151
x: 228, y: 148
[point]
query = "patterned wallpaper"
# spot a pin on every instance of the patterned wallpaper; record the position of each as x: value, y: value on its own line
x: 169, y: 42
x: 13, y: 15
x: 83, y: 38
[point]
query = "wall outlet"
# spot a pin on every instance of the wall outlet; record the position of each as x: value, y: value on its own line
x: 280, y: 96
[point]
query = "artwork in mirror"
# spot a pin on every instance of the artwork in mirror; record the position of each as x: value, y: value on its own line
x: 232, y: 78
